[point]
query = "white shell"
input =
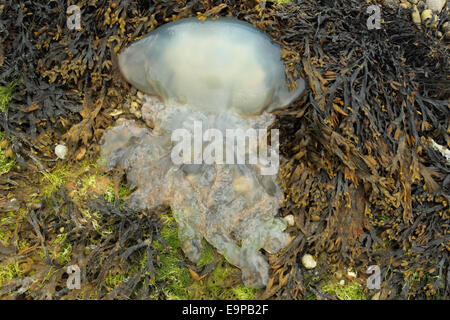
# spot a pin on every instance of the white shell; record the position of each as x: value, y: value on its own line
x: 61, y: 151
x: 308, y: 261
x: 213, y: 66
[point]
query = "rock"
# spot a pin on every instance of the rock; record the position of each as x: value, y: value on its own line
x: 308, y: 261
x: 436, y: 5
x: 61, y: 151
x: 342, y: 282
x: 290, y: 220
x: 413, y: 1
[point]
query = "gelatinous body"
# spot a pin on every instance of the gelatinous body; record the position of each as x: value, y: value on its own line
x: 224, y: 74
x: 232, y: 206
x: 224, y: 65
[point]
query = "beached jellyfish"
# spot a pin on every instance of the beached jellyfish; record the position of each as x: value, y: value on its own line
x: 221, y: 76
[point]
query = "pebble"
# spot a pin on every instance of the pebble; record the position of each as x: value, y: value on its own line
x: 61, y: 151
x: 308, y: 261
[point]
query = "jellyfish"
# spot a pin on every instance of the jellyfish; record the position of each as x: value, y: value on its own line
x: 220, y: 75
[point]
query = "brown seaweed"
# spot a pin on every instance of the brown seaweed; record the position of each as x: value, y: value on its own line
x: 360, y: 176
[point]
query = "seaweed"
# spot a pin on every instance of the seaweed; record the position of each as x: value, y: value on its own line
x: 359, y: 171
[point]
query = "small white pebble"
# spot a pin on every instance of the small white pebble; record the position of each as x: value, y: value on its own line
x: 61, y: 151
x: 342, y: 282
x: 308, y: 261
x: 290, y: 220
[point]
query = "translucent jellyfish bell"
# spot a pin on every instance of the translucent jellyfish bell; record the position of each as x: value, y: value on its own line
x: 213, y: 66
